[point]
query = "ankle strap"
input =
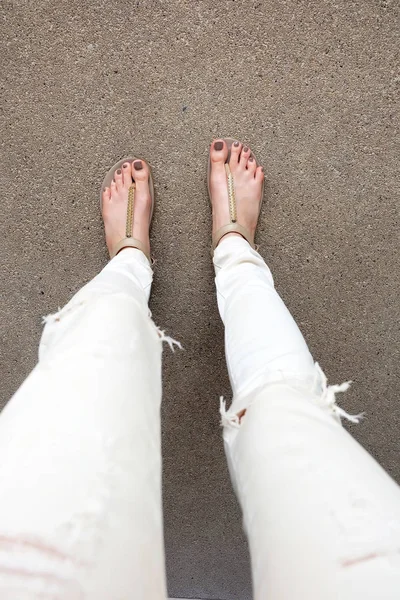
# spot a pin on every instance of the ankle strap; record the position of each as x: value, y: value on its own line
x: 130, y: 242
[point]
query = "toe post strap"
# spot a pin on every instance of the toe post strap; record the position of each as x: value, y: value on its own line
x: 129, y: 241
x: 129, y: 212
x: 233, y: 226
x: 231, y: 194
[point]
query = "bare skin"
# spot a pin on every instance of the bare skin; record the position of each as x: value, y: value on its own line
x: 247, y: 176
x: 115, y: 203
x: 248, y: 179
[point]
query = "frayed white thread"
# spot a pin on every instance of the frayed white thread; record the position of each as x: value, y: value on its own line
x: 169, y: 340
x: 56, y: 317
x: 227, y: 419
x: 328, y: 397
x: 52, y: 317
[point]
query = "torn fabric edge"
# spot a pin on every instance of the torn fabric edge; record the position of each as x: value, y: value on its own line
x: 326, y: 399
x: 169, y: 340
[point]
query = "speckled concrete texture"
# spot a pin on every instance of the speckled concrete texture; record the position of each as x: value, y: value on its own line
x: 311, y: 86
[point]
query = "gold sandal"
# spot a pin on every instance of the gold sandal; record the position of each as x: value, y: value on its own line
x: 129, y: 241
x: 233, y: 226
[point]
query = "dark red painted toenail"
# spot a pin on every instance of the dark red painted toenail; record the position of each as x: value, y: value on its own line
x: 262, y: 169
x: 119, y: 171
x: 236, y: 144
x: 125, y: 165
x: 245, y: 149
x: 218, y: 146
x: 251, y: 159
x: 138, y: 165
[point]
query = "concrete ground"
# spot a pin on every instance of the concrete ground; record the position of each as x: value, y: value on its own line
x: 311, y: 86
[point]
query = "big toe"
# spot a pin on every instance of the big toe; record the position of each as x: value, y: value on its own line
x: 218, y: 152
x: 140, y: 171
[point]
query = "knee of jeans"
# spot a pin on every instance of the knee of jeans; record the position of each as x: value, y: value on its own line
x: 108, y: 323
x: 104, y: 322
x: 316, y: 390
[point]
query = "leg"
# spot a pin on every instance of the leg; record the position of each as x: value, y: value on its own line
x: 80, y: 464
x: 322, y: 517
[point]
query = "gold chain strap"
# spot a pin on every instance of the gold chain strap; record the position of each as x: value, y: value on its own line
x: 129, y: 214
x: 231, y: 194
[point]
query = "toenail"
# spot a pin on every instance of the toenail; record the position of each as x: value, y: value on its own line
x: 218, y: 146
x: 125, y: 165
x: 236, y: 144
x: 262, y: 169
x: 119, y: 171
x: 251, y: 159
x: 138, y: 165
x: 245, y: 149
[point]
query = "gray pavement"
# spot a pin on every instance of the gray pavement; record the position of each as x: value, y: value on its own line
x: 311, y: 86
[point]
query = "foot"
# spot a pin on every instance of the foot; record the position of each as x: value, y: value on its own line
x: 115, y: 204
x: 248, y: 181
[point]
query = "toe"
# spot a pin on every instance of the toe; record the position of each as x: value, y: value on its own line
x: 140, y: 171
x: 113, y: 190
x: 106, y: 194
x: 126, y: 174
x: 235, y: 153
x: 259, y: 174
x: 118, y: 179
x: 244, y: 156
x: 218, y: 151
x: 251, y: 165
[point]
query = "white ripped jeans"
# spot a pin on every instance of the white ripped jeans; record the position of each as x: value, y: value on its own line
x: 80, y: 462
